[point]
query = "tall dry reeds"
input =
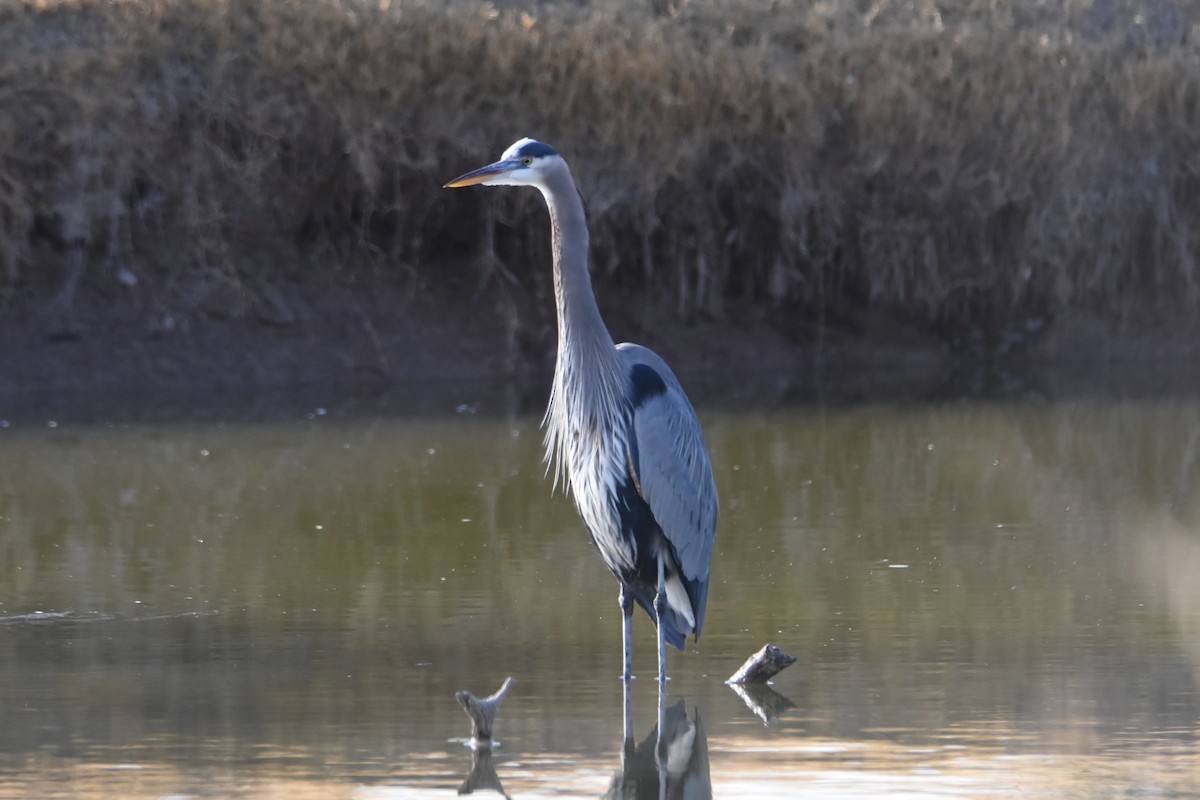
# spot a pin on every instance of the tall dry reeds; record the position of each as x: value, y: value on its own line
x: 974, y: 165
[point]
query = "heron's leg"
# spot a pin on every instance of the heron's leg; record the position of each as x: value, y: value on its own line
x: 627, y: 744
x: 660, y: 607
x: 627, y: 651
x: 627, y: 632
x: 660, y: 744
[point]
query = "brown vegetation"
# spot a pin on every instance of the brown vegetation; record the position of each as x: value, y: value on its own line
x: 971, y: 169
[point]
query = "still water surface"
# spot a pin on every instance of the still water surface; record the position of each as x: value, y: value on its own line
x: 986, y: 599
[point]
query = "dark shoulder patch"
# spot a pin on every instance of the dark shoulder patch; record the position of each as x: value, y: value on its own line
x: 535, y: 149
x: 645, y: 384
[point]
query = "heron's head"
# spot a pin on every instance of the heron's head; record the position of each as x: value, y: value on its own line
x: 525, y: 163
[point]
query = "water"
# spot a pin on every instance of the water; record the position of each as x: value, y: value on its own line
x: 985, y: 600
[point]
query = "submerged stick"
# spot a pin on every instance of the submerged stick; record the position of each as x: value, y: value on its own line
x: 482, y: 712
x: 762, y: 666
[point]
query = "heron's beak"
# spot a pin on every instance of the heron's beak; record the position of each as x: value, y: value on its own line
x: 482, y: 174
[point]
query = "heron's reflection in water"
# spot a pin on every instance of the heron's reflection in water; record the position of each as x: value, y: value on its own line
x: 671, y: 762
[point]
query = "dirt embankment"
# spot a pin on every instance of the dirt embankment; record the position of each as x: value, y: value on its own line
x: 323, y: 345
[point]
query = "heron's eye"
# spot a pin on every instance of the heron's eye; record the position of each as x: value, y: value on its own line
x: 527, y: 161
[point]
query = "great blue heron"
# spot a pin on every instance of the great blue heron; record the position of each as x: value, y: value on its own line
x: 620, y: 429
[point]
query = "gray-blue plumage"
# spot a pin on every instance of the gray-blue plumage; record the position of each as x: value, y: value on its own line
x: 670, y: 469
x: 620, y: 431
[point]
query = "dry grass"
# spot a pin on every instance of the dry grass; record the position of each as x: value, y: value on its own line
x: 977, y: 165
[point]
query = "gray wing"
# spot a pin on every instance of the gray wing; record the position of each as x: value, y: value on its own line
x: 671, y: 465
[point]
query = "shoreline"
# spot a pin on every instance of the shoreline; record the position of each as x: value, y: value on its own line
x: 379, y: 352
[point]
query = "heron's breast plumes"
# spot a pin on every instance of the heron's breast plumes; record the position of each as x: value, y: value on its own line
x: 587, y: 447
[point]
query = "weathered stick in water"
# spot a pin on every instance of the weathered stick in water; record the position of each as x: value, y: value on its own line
x: 763, y: 665
x: 482, y: 712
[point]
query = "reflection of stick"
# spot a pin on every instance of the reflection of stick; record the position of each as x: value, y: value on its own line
x: 765, y: 702
x: 483, y: 773
x: 482, y: 712
x: 761, y: 666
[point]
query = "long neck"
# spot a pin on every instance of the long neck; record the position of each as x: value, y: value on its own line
x: 579, y: 322
x: 587, y: 374
x: 581, y: 331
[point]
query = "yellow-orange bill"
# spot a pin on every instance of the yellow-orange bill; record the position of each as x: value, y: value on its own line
x: 479, y: 176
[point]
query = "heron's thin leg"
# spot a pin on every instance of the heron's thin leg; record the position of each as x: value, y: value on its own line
x: 660, y: 745
x: 627, y: 632
x: 660, y: 607
x: 627, y: 676
x: 628, y: 722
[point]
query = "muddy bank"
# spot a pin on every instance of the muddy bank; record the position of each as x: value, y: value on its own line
x: 322, y: 344
x: 373, y: 338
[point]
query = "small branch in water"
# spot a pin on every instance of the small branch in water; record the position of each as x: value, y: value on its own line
x: 762, y: 666
x: 482, y: 712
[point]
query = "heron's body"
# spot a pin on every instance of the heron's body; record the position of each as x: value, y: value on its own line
x: 620, y: 431
x: 617, y: 467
